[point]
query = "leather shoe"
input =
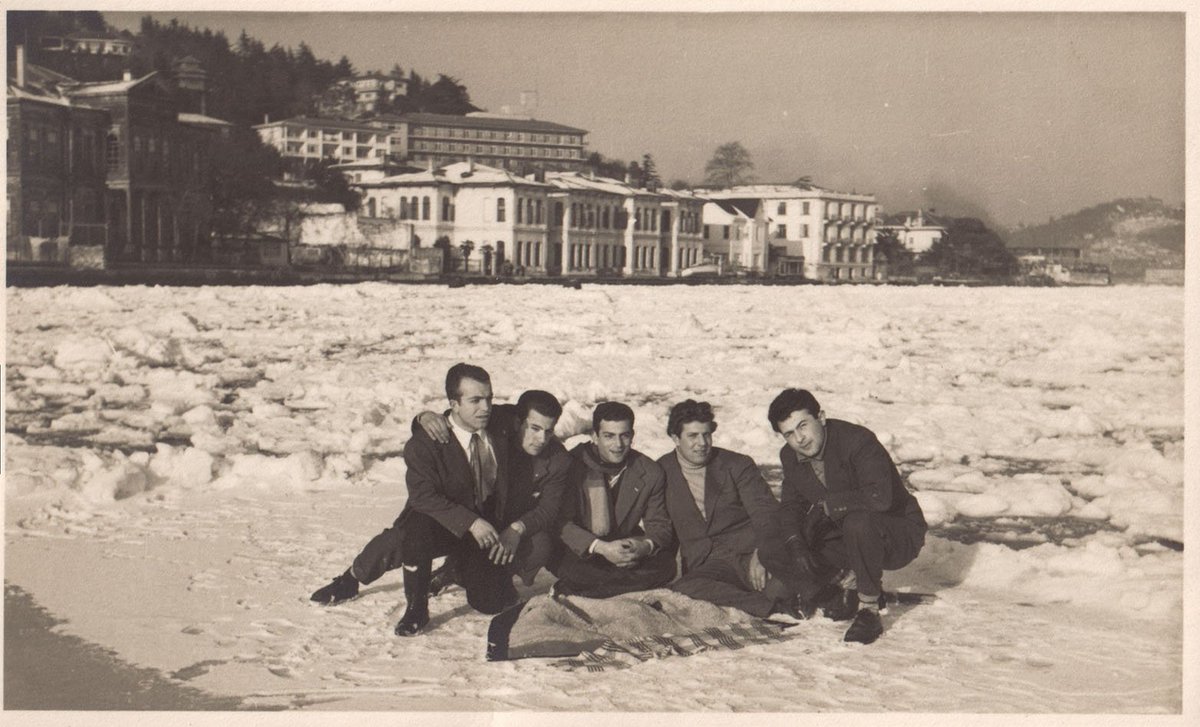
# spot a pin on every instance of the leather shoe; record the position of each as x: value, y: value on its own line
x: 342, y: 588
x: 867, y: 627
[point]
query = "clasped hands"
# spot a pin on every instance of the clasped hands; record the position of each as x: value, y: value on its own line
x: 501, y: 546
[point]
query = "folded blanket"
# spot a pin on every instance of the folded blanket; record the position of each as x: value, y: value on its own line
x: 620, y: 631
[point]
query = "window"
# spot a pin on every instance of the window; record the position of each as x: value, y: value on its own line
x: 780, y: 231
x: 112, y: 151
x: 500, y: 210
x: 445, y: 209
x: 520, y: 214
x: 706, y: 235
x: 725, y: 233
x: 538, y: 207
x: 803, y: 230
x: 782, y: 208
x: 424, y: 208
x: 804, y: 208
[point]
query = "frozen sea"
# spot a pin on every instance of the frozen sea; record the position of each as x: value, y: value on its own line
x: 185, y: 465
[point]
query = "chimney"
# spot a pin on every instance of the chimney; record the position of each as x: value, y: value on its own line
x: 266, y: 118
x: 128, y: 75
x: 20, y: 66
x: 628, y: 178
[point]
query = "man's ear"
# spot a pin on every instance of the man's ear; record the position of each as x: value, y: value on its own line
x: 821, y: 416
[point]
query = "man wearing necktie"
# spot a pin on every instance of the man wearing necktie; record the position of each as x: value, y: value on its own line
x: 455, y: 493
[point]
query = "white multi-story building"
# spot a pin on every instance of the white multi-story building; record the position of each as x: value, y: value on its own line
x: 813, y: 232
x: 569, y: 224
x: 313, y: 139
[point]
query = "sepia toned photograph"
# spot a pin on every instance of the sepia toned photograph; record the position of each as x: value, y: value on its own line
x: 480, y: 360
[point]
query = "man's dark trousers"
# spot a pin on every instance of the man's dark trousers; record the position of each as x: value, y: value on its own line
x: 595, y: 577
x: 415, y: 539
x: 869, y: 543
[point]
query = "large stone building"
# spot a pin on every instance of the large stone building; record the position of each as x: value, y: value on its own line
x: 111, y: 170
x: 514, y: 143
x: 814, y: 233
x: 56, y: 170
x: 568, y: 224
x: 157, y: 161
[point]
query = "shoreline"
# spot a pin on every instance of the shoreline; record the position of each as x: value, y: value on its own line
x: 48, y: 670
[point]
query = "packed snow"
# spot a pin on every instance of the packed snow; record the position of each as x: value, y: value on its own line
x: 185, y: 465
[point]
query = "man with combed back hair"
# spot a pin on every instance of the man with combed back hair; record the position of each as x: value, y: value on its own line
x: 728, y: 523
x: 845, y: 506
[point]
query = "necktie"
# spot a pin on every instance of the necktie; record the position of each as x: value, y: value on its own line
x: 477, y: 470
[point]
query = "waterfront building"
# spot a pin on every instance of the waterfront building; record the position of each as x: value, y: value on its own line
x: 156, y: 162
x: 735, y: 235
x: 55, y: 173
x: 914, y: 231
x: 518, y: 144
x: 489, y: 220
x: 609, y: 227
x: 814, y: 233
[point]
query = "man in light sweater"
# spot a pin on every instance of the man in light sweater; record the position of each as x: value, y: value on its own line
x: 728, y: 524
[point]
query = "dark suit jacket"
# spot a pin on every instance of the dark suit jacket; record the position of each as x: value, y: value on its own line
x: 641, y: 507
x: 440, y: 483
x: 742, y: 514
x: 859, y: 475
x: 536, y: 486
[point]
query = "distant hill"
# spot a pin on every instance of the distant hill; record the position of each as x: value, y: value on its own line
x: 1128, y: 235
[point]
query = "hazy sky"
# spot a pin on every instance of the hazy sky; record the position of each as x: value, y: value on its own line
x: 1013, y: 116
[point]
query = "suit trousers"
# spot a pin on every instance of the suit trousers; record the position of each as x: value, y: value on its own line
x: 725, y: 581
x: 416, y: 539
x: 594, y: 577
x: 869, y: 543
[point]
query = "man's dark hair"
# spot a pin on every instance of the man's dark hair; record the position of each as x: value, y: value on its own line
x: 460, y: 371
x: 543, y: 402
x: 686, y: 411
x: 611, y: 411
x: 791, y: 400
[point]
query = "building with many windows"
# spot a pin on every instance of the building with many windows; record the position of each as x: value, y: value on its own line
x: 514, y: 143
x: 312, y: 139
x: 813, y: 232
x: 569, y: 224
x: 55, y: 174
x: 156, y: 163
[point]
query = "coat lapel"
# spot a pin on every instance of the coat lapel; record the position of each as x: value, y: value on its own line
x: 631, y: 485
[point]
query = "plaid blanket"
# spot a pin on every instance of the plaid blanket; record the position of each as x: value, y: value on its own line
x: 618, y: 632
x: 625, y: 653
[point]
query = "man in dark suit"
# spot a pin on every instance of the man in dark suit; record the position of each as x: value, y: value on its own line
x: 458, y: 492
x: 616, y: 532
x: 728, y: 523
x: 844, y: 505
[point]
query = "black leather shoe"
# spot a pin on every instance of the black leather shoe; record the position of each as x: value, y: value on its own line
x: 342, y: 588
x: 867, y: 627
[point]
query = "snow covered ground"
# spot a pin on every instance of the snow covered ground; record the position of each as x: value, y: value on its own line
x: 184, y: 466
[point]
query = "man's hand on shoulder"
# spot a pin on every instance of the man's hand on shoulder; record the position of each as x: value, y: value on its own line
x: 435, y: 425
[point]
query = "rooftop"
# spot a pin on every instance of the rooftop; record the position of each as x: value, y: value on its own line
x: 317, y: 122
x: 460, y: 173
x: 501, y: 123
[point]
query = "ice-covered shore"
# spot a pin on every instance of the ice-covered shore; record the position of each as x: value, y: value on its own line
x: 225, y: 450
